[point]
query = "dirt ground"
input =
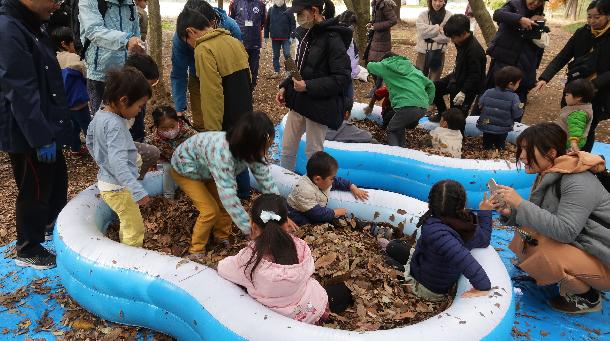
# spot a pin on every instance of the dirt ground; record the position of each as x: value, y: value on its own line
x: 543, y: 106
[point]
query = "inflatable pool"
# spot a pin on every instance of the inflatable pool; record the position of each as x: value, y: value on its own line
x: 412, y: 172
x: 190, y: 301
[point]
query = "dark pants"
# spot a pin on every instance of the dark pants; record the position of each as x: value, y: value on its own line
x: 80, y: 122
x: 43, y: 193
x: 276, y: 45
x: 243, y: 184
x: 494, y: 141
x: 96, y: 93
x: 398, y: 252
x: 446, y: 86
x: 254, y: 56
x: 591, y: 137
x: 404, y: 118
x: 137, y: 130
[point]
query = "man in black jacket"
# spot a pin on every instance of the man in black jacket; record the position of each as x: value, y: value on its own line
x: 467, y: 80
x: 34, y: 123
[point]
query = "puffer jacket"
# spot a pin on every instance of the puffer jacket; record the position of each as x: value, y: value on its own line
x: 383, y: 20
x: 425, y: 30
x: 325, y: 66
x: 109, y: 35
x: 500, y: 108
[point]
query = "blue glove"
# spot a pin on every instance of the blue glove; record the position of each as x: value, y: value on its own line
x: 47, y: 153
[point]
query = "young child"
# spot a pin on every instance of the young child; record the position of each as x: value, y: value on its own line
x: 575, y: 118
x: 411, y: 93
x: 309, y: 197
x: 442, y: 253
x: 73, y: 72
x: 276, y: 268
x: 280, y: 26
x: 115, y: 153
x: 500, y: 108
x: 382, y: 94
x: 447, y: 138
x: 205, y: 166
x: 468, y: 78
x: 170, y: 131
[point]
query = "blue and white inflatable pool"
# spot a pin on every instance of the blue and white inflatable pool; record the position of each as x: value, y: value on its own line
x: 191, y: 302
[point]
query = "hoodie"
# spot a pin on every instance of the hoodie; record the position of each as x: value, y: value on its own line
x: 407, y: 85
x: 289, y: 290
x: 575, y: 120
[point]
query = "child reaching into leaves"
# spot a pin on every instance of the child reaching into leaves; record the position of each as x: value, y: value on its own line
x: 575, y: 118
x: 447, y: 138
x: 442, y: 253
x: 309, y: 197
x: 382, y: 94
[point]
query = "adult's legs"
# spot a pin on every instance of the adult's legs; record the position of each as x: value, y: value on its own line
x: 253, y: 60
x: 96, y: 93
x: 80, y: 120
x: 294, y: 129
x: 591, y: 137
x: 286, y: 48
x: 442, y: 89
x: 315, y: 134
x: 403, y: 118
x: 276, y: 45
x: 137, y: 130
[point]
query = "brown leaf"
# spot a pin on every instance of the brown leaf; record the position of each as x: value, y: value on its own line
x: 82, y: 324
x: 325, y: 260
x: 404, y: 315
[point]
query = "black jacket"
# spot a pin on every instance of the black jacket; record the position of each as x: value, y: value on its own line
x: 33, y: 109
x: 581, y: 42
x: 280, y: 24
x: 470, y: 63
x: 509, y: 47
x: 324, y: 65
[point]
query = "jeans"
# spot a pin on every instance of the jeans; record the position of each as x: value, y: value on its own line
x: 276, y: 45
x: 494, y: 141
x: 96, y: 93
x: 404, y: 118
x: 296, y: 126
x: 80, y: 122
x: 243, y: 184
x: 254, y: 56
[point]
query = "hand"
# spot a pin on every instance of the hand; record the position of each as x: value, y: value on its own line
x: 368, y: 110
x: 47, y: 153
x: 509, y: 195
x: 299, y: 86
x: 136, y: 45
x: 339, y: 212
x: 369, y: 26
x: 290, y: 226
x: 144, y: 201
x: 181, y: 113
x: 474, y: 293
x: 539, y: 85
x: 459, y: 98
x: 538, y: 17
x: 358, y: 193
x: 279, y: 98
x: 527, y: 23
x: 486, y: 203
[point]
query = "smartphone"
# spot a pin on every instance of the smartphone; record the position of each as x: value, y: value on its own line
x: 291, y: 67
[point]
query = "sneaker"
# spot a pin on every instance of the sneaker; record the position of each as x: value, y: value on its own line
x: 48, y: 232
x: 42, y: 261
x: 574, y: 304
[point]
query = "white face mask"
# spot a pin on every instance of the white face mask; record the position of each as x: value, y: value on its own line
x: 279, y: 3
x: 170, y: 134
x: 304, y: 20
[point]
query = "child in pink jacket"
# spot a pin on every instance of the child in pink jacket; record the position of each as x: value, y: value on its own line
x: 278, y: 275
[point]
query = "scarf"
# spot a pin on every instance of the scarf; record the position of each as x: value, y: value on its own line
x: 599, y: 33
x: 436, y: 17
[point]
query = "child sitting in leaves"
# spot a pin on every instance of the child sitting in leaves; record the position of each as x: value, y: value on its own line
x: 575, y: 118
x: 442, y: 253
x: 307, y: 201
x: 276, y: 268
x: 447, y: 138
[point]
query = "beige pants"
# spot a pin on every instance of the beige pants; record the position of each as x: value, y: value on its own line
x: 296, y: 126
x: 552, y: 262
x: 417, y: 288
x: 433, y: 75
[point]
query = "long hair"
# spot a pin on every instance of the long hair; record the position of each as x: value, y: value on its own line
x: 273, y: 241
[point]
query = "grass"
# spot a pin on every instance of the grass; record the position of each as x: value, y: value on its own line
x: 573, y: 26
x: 168, y: 25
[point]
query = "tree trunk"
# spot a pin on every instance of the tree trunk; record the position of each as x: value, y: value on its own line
x: 220, y: 3
x: 571, y: 9
x: 155, y: 39
x: 486, y: 23
x: 397, y: 8
x: 363, y: 16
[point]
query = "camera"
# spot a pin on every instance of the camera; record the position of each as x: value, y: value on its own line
x: 536, y: 31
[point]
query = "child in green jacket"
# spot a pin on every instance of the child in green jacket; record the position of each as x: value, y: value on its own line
x: 575, y: 118
x: 411, y: 93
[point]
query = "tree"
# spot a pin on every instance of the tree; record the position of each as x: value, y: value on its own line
x: 363, y: 16
x: 220, y: 3
x: 480, y: 13
x: 155, y: 39
x: 397, y: 8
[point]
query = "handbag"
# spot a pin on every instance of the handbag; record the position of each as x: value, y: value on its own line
x: 434, y: 58
x: 583, y: 66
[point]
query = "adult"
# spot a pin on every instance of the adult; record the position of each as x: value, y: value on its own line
x: 383, y: 17
x: 513, y: 44
x: 317, y: 101
x: 251, y: 16
x: 589, y: 52
x: 431, y: 40
x: 34, y: 124
x: 280, y: 26
x: 143, y: 18
x: 107, y: 40
x: 562, y: 234
x: 183, y: 74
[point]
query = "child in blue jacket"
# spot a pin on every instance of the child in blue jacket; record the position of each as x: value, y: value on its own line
x: 442, y: 253
x: 279, y: 26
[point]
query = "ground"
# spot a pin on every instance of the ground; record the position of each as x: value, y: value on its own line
x: 543, y: 106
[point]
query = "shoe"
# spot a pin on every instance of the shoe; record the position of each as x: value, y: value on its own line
x: 196, y: 257
x: 42, y: 261
x: 574, y: 304
x: 48, y: 233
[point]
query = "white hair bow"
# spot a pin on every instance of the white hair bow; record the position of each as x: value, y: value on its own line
x: 267, y: 215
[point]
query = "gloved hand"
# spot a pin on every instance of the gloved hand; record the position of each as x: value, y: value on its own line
x: 47, y: 153
x: 459, y: 98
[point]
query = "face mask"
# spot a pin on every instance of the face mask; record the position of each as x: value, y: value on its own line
x: 278, y: 3
x: 170, y: 134
x: 304, y: 20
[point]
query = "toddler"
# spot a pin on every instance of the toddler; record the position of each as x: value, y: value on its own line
x: 575, y: 118
x: 447, y: 138
x: 500, y: 108
x: 307, y: 201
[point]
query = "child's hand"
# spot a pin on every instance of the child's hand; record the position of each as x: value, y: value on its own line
x: 299, y: 86
x: 340, y: 212
x: 144, y: 201
x: 474, y: 293
x: 358, y: 193
x: 279, y: 98
x: 486, y: 203
x: 290, y: 226
x: 368, y: 110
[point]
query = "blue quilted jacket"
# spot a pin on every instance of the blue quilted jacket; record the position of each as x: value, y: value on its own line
x: 499, y: 110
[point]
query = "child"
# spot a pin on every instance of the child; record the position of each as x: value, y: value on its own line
x: 73, y: 72
x: 170, y: 131
x: 442, y: 253
x: 280, y: 26
x: 309, y: 197
x: 575, y: 118
x: 382, y: 94
x: 411, y: 93
x: 276, y: 268
x: 205, y: 166
x: 468, y: 78
x: 115, y: 153
x: 447, y: 138
x: 500, y: 108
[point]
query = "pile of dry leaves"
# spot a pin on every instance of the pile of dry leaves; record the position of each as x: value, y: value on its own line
x: 341, y: 253
x: 418, y: 138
